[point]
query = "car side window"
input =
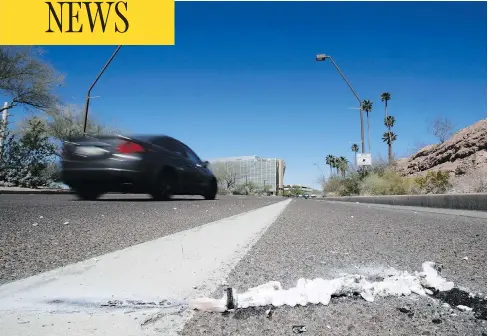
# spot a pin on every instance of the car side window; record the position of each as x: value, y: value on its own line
x: 176, y: 147
x: 192, y: 156
x: 169, y: 144
x: 161, y: 143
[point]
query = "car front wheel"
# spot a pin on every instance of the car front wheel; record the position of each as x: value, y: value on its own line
x: 88, y: 194
x: 211, y: 192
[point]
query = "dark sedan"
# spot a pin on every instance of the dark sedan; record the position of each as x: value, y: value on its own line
x: 157, y: 165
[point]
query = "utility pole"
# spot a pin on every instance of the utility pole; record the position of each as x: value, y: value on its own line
x: 3, y: 127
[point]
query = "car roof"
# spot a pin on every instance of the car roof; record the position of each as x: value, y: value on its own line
x: 151, y: 137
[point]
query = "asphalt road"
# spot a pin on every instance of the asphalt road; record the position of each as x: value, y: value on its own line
x: 309, y: 239
x: 322, y: 239
x: 43, y: 232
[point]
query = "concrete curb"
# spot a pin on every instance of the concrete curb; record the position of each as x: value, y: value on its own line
x: 448, y: 201
x: 34, y: 192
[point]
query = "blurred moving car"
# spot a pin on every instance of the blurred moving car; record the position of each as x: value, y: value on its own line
x: 158, y: 165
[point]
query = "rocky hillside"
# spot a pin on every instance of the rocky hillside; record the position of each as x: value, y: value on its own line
x: 464, y: 154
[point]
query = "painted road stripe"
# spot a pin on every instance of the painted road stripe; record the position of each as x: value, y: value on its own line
x: 165, y: 272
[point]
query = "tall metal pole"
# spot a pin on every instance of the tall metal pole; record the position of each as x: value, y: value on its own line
x: 323, y: 175
x: 323, y: 58
x: 87, y: 104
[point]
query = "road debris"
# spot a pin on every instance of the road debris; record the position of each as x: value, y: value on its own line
x: 464, y: 308
x: 406, y: 311
x: 457, y: 297
x: 395, y: 283
x: 298, y: 329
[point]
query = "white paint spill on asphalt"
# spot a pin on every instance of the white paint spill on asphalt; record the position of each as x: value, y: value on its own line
x: 67, y: 300
x: 395, y: 283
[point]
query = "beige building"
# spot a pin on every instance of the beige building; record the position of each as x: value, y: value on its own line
x: 265, y: 172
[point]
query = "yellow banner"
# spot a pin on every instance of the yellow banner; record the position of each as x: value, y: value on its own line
x: 128, y: 22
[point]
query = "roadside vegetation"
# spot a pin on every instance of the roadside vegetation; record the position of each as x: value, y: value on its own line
x: 30, y: 148
x: 383, y: 177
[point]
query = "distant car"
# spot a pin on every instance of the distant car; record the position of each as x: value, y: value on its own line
x: 306, y: 196
x: 158, y: 165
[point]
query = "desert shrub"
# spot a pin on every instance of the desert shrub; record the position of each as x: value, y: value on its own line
x: 343, y: 186
x: 434, y: 182
x: 248, y: 188
x: 223, y: 191
x: 387, y: 183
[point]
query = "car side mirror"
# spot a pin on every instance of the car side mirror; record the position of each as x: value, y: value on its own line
x: 206, y: 164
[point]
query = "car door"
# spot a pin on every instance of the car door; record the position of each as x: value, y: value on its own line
x: 178, y: 160
x: 201, y: 171
x: 191, y: 172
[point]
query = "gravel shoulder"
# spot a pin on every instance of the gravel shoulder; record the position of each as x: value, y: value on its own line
x: 321, y: 239
x: 43, y: 232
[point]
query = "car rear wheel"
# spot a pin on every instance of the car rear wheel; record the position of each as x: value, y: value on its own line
x: 211, y: 192
x: 164, y: 187
x: 88, y: 194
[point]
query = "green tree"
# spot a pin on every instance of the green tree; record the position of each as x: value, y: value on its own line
x: 368, y: 108
x: 27, y: 158
x: 66, y: 121
x: 389, y: 123
x: 27, y: 80
x: 295, y: 190
x: 385, y: 97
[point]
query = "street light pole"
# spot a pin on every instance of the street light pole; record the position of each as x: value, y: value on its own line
x: 323, y: 175
x: 87, y: 104
x: 323, y: 57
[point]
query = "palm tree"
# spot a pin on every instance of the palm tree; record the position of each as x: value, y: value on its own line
x: 389, y: 123
x: 385, y: 97
x: 389, y: 137
x: 328, y: 161
x: 368, y: 108
x: 343, y: 164
x: 335, y: 164
x: 355, y: 149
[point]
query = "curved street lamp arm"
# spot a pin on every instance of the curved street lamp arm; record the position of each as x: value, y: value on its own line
x: 345, y: 79
x: 87, y: 104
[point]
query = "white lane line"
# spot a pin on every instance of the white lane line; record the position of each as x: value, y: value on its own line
x: 188, y: 264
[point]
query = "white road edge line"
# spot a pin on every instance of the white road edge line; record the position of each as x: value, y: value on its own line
x: 175, y: 268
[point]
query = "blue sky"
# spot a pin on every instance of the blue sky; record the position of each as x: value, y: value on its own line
x: 242, y: 78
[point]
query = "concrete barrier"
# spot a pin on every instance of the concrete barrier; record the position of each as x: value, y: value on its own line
x: 448, y: 201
